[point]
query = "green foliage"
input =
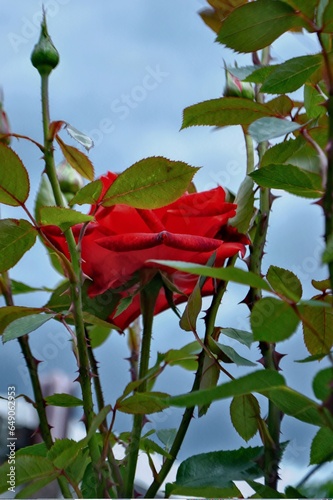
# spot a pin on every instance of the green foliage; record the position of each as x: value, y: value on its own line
x: 292, y: 179
x: 14, y: 180
x: 273, y: 320
x: 285, y: 283
x: 322, y: 446
x: 212, y: 474
x: 88, y: 194
x: 224, y: 111
x: 291, y: 75
x: 244, y: 413
x: 299, y: 162
x: 78, y: 160
x: 24, y: 325
x: 269, y: 128
x: 16, y: 238
x: 62, y: 217
x: 150, y: 183
x: 256, y: 25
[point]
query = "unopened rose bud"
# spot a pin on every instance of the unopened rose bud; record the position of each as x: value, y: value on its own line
x: 236, y: 88
x: 45, y: 56
x: 69, y: 179
x: 4, y: 127
x: 4, y: 123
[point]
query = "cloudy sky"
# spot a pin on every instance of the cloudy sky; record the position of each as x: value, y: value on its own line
x: 127, y: 71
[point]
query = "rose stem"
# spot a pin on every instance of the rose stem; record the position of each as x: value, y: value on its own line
x: 271, y: 446
x: 148, y: 296
x: 75, y: 278
x: 328, y: 196
x: 101, y: 404
x: 188, y: 414
x: 32, y: 364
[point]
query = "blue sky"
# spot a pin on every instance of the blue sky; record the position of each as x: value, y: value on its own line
x: 127, y: 70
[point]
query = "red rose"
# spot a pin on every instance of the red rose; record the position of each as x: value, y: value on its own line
x: 123, y: 239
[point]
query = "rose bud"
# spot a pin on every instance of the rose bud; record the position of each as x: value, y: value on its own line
x: 69, y: 179
x: 45, y: 56
x: 4, y: 123
x: 236, y: 88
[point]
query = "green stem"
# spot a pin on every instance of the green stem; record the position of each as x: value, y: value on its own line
x: 117, y: 478
x: 189, y: 412
x: 328, y: 197
x: 249, y: 153
x: 148, y: 296
x: 32, y: 365
x: 75, y: 279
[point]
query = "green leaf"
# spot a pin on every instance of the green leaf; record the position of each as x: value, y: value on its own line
x: 243, y: 72
x: 60, y: 299
x: 39, y: 450
x: 186, y: 356
x: 210, y: 377
x: 188, y: 321
x: 228, y: 274
x: 80, y: 137
x: 65, y: 400
x: 35, y: 486
x: 314, y: 102
x: 88, y: 194
x: 149, y: 446
x: 292, y: 179
x: 273, y: 320
x: 45, y: 196
x: 261, y: 74
x: 281, y: 105
x: 14, y: 179
x: 285, y: 283
x: 62, y: 217
x: 98, y: 335
x: 241, y: 336
x: 19, y: 288
x: 310, y: 359
x: 295, y: 404
x: 258, y: 381
x: 25, y: 325
x: 224, y: 111
x: 8, y: 314
x: 322, y: 446
x: 265, y: 491
x: 321, y: 383
x: 95, y: 424
x: 308, y: 7
x: 292, y: 74
x: 166, y: 436
x: 150, y: 183
x: 143, y: 403
x: 64, y: 452
x: 245, y: 206
x: 328, y: 18
x: 232, y: 355
x: 317, y: 328
x: 78, y: 160
x: 27, y: 468
x: 321, y: 285
x: 268, y: 128
x: 296, y: 152
x: 17, y: 236
x: 212, y: 474
x: 244, y: 414
x: 256, y: 25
